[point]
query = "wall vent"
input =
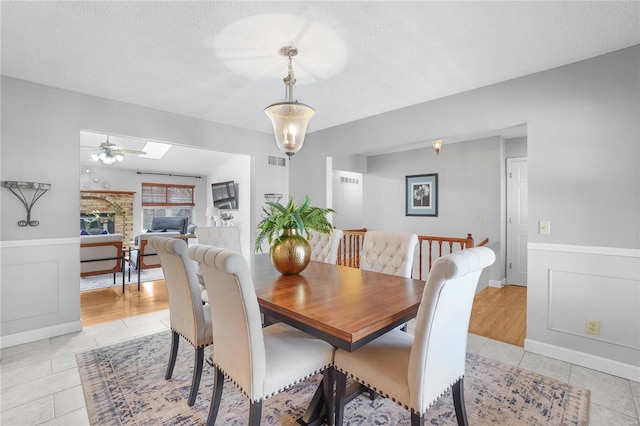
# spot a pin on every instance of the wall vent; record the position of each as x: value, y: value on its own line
x: 277, y: 161
x: 351, y: 180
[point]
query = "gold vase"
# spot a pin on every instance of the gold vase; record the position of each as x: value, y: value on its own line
x: 290, y: 254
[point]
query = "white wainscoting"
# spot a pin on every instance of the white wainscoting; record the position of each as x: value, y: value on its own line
x: 569, y: 285
x: 40, y: 290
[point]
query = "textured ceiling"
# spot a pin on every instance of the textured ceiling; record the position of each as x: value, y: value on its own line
x: 218, y: 60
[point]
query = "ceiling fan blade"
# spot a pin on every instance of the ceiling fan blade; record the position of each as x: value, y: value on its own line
x: 129, y: 151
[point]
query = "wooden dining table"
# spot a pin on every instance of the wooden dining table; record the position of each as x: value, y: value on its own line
x: 344, y: 306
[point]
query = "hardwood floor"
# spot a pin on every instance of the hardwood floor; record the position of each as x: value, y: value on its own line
x: 109, y: 304
x: 500, y: 314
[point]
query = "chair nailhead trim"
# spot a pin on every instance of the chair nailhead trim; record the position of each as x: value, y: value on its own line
x: 272, y: 393
x: 189, y: 340
x: 406, y: 407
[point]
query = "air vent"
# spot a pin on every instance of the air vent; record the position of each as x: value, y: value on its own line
x: 277, y: 161
x: 349, y: 180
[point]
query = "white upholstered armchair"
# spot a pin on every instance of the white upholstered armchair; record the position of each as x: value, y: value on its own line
x: 188, y: 317
x: 416, y: 371
x: 324, y: 247
x: 261, y: 362
x: 388, y: 252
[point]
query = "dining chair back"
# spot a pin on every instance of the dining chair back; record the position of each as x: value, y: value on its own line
x: 388, y: 252
x: 188, y: 317
x: 261, y: 362
x: 415, y: 371
x: 226, y: 237
x: 324, y: 247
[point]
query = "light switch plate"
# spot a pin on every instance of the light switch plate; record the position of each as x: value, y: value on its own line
x: 544, y: 227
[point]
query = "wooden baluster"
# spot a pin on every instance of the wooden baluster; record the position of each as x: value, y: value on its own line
x: 469, y: 242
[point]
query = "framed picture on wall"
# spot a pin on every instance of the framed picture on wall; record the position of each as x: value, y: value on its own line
x: 421, y: 195
x: 224, y: 195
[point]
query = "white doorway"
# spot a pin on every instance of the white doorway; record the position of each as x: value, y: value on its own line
x: 517, y: 220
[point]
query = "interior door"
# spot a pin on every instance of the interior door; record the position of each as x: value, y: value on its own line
x: 517, y: 220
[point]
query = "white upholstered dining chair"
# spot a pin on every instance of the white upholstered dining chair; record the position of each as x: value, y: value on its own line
x: 226, y: 237
x: 188, y: 317
x: 388, y: 252
x: 414, y: 371
x: 261, y: 362
x: 324, y: 247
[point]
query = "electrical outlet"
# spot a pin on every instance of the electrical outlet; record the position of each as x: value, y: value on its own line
x: 593, y: 326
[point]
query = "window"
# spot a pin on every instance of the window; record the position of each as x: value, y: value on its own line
x: 159, y: 199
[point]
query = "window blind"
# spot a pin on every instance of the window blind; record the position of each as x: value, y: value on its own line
x: 167, y: 195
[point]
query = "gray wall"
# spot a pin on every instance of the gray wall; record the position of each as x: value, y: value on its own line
x: 469, y: 200
x: 348, y: 199
x: 583, y: 137
x: 583, y: 155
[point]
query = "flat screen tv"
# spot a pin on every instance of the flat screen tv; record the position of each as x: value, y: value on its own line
x: 225, y: 195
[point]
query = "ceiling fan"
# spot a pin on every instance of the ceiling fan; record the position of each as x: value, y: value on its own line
x: 109, y: 153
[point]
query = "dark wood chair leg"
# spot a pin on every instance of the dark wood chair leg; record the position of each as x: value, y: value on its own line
x: 417, y: 419
x: 175, y: 340
x: 197, y: 373
x: 341, y: 394
x: 255, y: 412
x: 328, y: 380
x: 218, y: 383
x: 458, y: 403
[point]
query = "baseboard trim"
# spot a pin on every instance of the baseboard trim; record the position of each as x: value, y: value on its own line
x: 39, y: 334
x: 627, y: 371
x: 498, y: 283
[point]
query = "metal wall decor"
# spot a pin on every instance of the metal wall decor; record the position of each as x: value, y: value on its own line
x: 39, y: 189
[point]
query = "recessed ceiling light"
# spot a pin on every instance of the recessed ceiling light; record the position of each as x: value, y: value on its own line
x: 155, y: 150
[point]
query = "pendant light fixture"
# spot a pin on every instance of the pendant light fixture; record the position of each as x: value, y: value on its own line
x: 289, y: 118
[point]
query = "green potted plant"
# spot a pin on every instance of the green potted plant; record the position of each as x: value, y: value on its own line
x: 226, y: 217
x: 286, y: 229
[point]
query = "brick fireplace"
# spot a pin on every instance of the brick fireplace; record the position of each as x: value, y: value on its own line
x: 118, y: 202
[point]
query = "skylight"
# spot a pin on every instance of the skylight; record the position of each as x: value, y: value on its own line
x: 155, y: 150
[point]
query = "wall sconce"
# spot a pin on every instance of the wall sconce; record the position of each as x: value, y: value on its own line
x: 437, y: 146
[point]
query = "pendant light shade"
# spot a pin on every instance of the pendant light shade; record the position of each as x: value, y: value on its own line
x: 289, y: 118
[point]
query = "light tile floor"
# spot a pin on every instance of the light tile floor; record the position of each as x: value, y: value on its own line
x: 40, y: 383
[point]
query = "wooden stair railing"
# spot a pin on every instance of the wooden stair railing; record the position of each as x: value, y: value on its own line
x: 352, y: 239
x: 350, y: 247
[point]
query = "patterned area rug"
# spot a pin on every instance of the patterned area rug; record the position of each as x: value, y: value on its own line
x: 103, y: 281
x: 124, y: 384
